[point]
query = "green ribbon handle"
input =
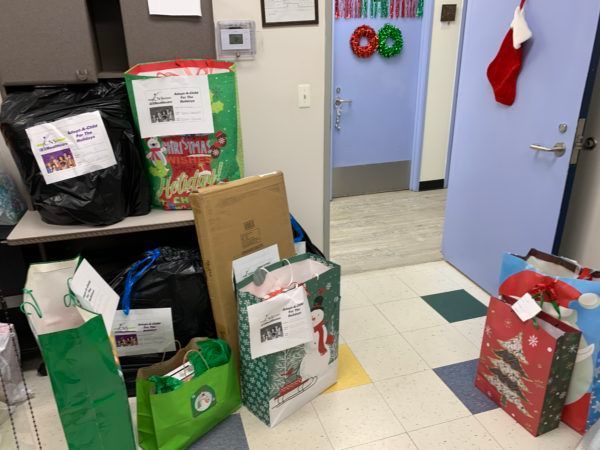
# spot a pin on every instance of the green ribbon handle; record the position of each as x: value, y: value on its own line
x: 70, y: 299
x: 33, y: 303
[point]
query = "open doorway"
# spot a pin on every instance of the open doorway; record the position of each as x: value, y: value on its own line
x: 390, y: 132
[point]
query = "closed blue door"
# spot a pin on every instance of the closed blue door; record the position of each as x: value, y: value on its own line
x: 503, y: 195
x: 372, y: 145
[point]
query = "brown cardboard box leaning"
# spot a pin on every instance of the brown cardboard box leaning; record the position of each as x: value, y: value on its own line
x: 234, y: 220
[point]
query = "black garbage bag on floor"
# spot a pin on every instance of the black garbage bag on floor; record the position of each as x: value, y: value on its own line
x: 166, y: 277
x: 102, y: 197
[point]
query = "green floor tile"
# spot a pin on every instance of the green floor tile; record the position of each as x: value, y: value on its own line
x: 455, y: 306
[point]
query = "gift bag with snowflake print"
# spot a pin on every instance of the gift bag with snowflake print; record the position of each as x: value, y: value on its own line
x: 526, y: 366
x: 277, y: 384
x: 181, y: 164
x: 577, y: 291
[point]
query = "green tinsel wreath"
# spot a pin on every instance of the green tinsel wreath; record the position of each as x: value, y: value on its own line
x: 389, y: 31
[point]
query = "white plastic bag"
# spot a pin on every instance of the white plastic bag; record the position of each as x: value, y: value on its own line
x: 12, y: 389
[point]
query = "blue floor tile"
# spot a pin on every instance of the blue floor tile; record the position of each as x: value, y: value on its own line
x: 228, y: 435
x: 460, y: 378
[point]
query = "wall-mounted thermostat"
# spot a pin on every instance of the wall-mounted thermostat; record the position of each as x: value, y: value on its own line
x: 236, y: 39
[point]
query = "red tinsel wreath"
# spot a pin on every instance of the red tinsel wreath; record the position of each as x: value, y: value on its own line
x: 364, y: 51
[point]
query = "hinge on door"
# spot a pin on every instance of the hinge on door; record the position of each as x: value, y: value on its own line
x: 578, y: 144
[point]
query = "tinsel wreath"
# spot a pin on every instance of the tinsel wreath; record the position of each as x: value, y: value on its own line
x: 386, y: 9
x: 389, y: 31
x: 364, y: 51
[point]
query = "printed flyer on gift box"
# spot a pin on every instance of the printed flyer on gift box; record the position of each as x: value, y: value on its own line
x: 71, y: 147
x: 170, y: 106
x: 144, y: 331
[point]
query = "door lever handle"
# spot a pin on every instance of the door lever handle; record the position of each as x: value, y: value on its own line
x: 341, y: 101
x: 559, y: 148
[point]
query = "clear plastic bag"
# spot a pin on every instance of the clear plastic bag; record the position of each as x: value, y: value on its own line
x: 12, y: 206
x: 12, y: 388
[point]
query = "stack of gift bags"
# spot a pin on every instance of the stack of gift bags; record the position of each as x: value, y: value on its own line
x: 540, y: 352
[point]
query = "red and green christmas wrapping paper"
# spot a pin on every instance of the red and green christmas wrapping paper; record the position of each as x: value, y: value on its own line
x: 526, y: 367
x: 179, y: 165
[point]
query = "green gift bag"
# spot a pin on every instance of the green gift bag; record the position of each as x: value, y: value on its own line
x: 181, y: 164
x: 87, y: 383
x: 176, y: 419
x: 276, y: 385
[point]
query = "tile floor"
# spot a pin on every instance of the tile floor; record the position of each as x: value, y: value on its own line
x: 406, y: 377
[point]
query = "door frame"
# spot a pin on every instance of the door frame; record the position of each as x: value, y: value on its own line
x: 417, y: 144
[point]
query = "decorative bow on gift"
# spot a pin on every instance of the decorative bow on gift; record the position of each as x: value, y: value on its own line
x: 546, y: 292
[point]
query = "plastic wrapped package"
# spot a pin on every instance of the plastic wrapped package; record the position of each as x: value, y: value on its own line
x: 98, y: 197
x: 172, y: 278
x: 12, y: 206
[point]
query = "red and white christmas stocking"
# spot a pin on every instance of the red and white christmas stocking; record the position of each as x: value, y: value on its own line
x: 504, y: 69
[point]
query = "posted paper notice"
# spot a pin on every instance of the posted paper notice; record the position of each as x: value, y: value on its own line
x: 172, y: 106
x: 144, y: 331
x: 175, y: 7
x: 71, y: 147
x: 94, y: 293
x: 280, y: 323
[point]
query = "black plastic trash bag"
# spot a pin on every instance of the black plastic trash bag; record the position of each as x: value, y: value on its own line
x: 103, y: 197
x: 166, y: 277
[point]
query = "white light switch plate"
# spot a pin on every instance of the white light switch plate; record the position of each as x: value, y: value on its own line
x: 304, y: 96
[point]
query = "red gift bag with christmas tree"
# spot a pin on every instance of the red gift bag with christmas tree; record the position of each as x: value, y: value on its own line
x: 526, y: 366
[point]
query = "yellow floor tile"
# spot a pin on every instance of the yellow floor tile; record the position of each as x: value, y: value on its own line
x: 351, y: 373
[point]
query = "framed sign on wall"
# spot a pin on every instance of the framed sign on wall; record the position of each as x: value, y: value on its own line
x: 281, y: 13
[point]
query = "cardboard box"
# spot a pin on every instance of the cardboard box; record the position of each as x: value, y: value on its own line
x: 234, y: 220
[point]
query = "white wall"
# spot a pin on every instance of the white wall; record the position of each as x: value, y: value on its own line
x: 580, y: 238
x: 277, y: 134
x: 440, y: 93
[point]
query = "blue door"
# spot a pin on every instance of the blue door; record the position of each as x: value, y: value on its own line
x: 505, y: 191
x: 372, y: 142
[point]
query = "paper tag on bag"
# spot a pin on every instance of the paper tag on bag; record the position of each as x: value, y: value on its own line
x: 526, y: 308
x: 144, y: 331
x: 94, y: 293
x: 70, y: 147
x: 247, y: 265
x: 170, y: 106
x: 280, y: 323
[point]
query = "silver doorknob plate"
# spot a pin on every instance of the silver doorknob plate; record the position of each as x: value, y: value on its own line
x: 559, y: 148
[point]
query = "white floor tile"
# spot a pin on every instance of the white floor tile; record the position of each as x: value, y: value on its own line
x: 352, y: 295
x: 421, y: 399
x: 460, y: 434
x: 428, y: 281
x: 384, y: 288
x: 472, y: 329
x: 300, y: 431
x: 512, y: 436
x: 413, y: 314
x: 356, y: 416
x: 479, y: 294
x: 387, y: 357
x: 364, y: 323
x: 442, y: 345
x: 400, y: 442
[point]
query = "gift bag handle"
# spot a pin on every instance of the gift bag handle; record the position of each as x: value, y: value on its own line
x: 70, y: 299
x: 137, y: 271
x: 33, y: 303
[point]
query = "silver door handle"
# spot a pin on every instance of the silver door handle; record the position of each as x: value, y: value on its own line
x: 341, y: 101
x: 559, y: 148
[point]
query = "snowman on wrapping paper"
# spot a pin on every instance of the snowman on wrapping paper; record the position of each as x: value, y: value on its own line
x: 316, y: 359
x: 156, y: 152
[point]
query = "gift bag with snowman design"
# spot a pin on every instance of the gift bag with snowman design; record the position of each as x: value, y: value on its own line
x: 577, y: 292
x: 288, y: 316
